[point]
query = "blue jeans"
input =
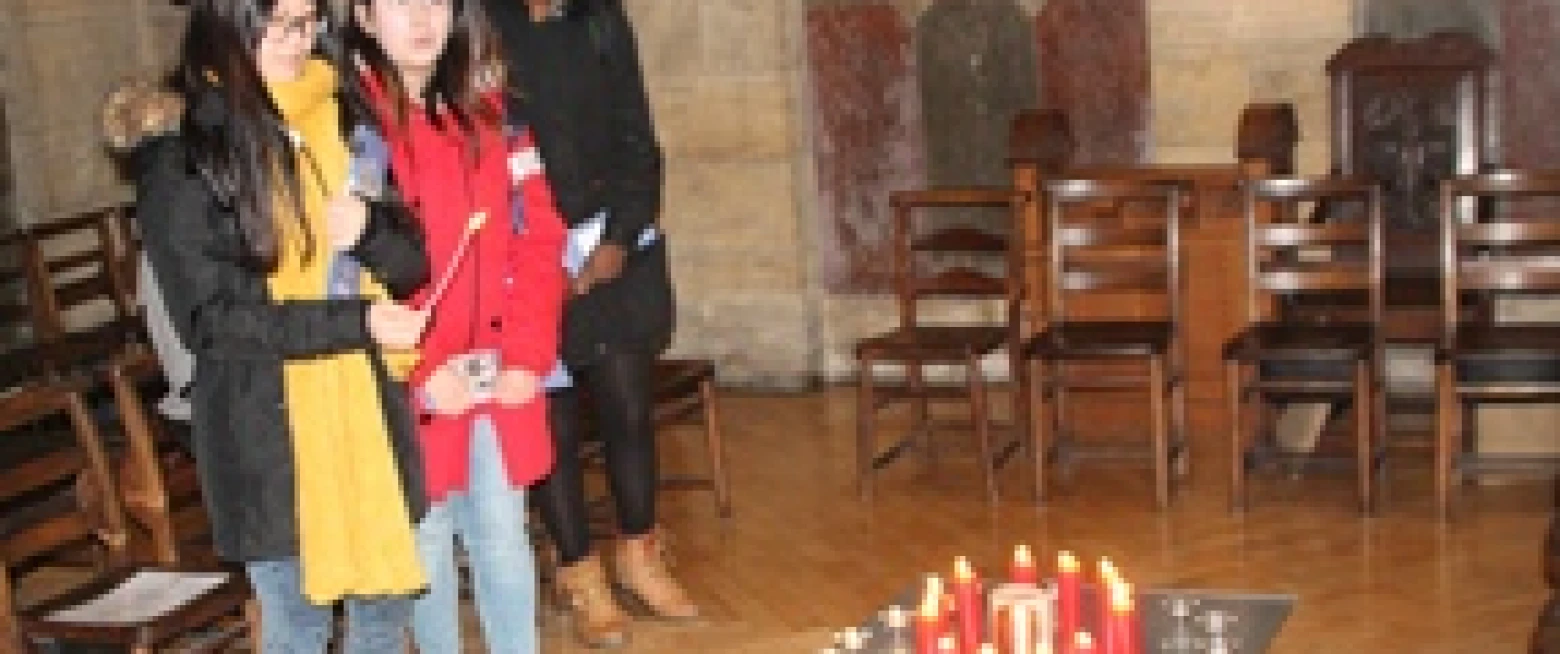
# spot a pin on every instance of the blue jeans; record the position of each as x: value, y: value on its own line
x: 289, y: 624
x: 489, y: 516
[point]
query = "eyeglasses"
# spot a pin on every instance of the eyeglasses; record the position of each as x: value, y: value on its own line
x: 280, y: 27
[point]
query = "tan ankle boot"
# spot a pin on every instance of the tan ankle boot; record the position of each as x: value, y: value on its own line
x: 641, y: 568
x: 598, y: 621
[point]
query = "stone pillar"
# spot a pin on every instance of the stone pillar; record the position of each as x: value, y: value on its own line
x: 725, y: 82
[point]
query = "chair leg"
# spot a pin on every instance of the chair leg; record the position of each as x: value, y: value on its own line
x: 145, y: 496
x: 1038, y: 415
x: 866, y: 407
x: 715, y: 447
x: 1234, y: 377
x: 920, y: 413
x: 1447, y: 428
x: 1158, y: 392
x: 980, y: 414
x: 1181, y: 463
x: 1364, y: 450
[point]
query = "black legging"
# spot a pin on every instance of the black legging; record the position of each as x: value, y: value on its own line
x: 618, y: 385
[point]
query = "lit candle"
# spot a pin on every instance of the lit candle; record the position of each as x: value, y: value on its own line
x: 1067, y: 598
x: 1023, y: 567
x: 1109, y: 576
x: 1122, y: 628
x: 967, y: 602
x: 929, y: 623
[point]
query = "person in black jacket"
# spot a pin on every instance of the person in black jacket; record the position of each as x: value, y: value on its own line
x: 283, y: 286
x: 575, y: 67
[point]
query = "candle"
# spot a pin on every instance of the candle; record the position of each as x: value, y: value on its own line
x: 1109, y: 576
x: 929, y: 624
x: 473, y: 224
x: 1124, y: 609
x: 1067, y: 598
x: 1023, y: 567
x: 967, y: 602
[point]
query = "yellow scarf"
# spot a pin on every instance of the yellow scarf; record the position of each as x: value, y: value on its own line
x: 355, y: 534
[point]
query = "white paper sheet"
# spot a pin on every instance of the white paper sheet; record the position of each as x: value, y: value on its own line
x: 144, y: 596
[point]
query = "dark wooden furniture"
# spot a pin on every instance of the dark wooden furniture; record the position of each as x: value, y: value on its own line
x: 933, y: 262
x: 685, y: 395
x: 1546, y: 636
x: 211, y: 622
x: 1512, y: 249
x: 1410, y: 114
x: 1112, y: 320
x: 1312, y: 331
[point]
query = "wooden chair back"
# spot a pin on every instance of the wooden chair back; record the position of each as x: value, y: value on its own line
x: 1513, y: 246
x: 1301, y: 271
x: 1112, y: 240
x: 962, y: 261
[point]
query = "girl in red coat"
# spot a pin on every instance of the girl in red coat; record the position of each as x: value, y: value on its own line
x: 495, y: 243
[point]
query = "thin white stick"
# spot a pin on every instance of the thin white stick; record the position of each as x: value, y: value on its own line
x: 472, y: 225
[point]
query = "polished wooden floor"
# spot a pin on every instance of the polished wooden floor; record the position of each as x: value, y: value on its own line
x: 803, y: 556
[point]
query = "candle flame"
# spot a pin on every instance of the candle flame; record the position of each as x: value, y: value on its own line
x: 1067, y: 562
x: 1108, y: 571
x: 1022, y: 556
x: 1121, y: 597
x: 1083, y: 641
x: 962, y: 570
x: 476, y: 221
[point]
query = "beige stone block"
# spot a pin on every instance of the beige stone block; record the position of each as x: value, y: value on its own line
x: 758, y: 338
x: 670, y: 39
x: 1175, y: 23
x: 727, y: 117
x: 749, y: 36
x: 704, y: 268
x: 1266, y: 20
x: 735, y: 204
x: 1198, y: 98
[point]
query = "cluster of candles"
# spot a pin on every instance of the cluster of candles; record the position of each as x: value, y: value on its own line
x: 1022, y: 616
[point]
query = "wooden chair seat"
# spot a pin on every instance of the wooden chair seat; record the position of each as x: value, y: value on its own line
x: 934, y: 343
x: 210, y: 622
x: 1277, y: 341
x: 1103, y: 340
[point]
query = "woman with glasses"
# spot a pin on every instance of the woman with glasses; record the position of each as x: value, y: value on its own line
x: 495, y: 235
x: 286, y: 288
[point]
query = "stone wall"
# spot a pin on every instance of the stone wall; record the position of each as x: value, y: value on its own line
x: 63, y: 57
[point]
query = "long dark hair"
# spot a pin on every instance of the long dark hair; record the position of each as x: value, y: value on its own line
x: 454, y: 88
x: 235, y: 134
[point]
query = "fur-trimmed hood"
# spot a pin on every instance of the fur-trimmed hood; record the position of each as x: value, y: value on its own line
x: 138, y: 112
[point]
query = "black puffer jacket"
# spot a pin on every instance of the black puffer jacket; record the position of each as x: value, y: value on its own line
x: 222, y: 310
x: 577, y: 82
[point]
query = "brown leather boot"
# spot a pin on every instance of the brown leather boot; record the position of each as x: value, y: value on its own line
x: 641, y: 568
x: 598, y: 621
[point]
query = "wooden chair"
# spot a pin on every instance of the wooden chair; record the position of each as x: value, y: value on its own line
x: 211, y: 621
x: 1512, y: 249
x: 916, y: 343
x: 80, y: 271
x: 1111, y: 319
x: 1313, y: 311
x: 685, y: 395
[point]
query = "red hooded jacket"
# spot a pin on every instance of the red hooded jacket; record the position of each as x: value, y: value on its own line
x: 507, y: 293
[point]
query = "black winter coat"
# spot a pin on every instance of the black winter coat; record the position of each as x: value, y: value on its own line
x: 577, y: 82
x: 222, y: 310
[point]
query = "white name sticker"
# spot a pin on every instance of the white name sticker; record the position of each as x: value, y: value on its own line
x: 525, y: 163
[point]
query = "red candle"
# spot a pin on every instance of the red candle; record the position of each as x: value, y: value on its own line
x: 1068, y: 598
x: 929, y: 624
x: 967, y: 602
x: 1124, y: 609
x: 1022, y: 570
